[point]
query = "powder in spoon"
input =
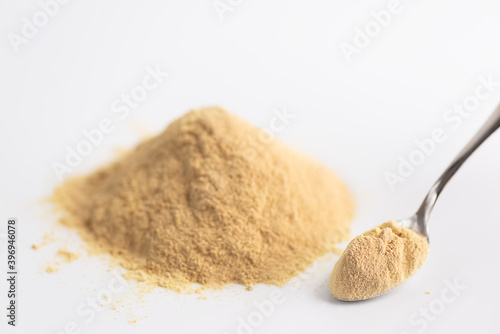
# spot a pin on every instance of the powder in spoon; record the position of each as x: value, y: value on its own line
x: 211, y: 200
x: 377, y: 261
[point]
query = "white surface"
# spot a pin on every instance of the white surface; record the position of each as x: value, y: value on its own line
x: 356, y: 117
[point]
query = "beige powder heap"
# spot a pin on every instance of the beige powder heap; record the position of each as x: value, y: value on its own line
x: 211, y: 200
x: 378, y: 261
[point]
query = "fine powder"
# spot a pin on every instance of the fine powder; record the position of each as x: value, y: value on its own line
x: 212, y: 200
x: 377, y: 261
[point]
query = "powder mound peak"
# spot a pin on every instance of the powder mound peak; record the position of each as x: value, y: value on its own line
x: 211, y: 200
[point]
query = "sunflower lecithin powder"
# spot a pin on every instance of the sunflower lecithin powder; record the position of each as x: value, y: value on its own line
x: 211, y: 200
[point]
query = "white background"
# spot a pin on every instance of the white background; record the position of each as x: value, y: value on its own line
x: 356, y: 117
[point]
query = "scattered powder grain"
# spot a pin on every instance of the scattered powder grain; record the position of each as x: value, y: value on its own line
x: 51, y: 269
x: 47, y: 238
x: 378, y: 261
x: 63, y: 256
x: 67, y: 256
x: 211, y: 200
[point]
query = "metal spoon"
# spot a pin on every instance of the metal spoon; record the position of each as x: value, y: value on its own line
x: 419, y: 221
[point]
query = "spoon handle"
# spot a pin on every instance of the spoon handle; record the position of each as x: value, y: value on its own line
x: 424, y: 212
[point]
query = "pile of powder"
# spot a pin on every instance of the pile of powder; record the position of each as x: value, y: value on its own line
x: 378, y: 261
x: 211, y: 200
